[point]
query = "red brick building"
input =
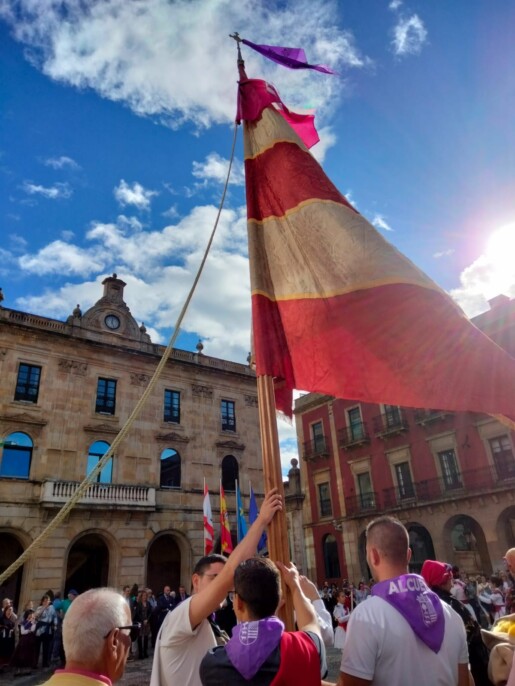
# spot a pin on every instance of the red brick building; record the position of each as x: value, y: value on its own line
x: 449, y: 477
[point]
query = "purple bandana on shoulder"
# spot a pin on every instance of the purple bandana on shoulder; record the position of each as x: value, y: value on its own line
x: 420, y: 607
x: 252, y: 643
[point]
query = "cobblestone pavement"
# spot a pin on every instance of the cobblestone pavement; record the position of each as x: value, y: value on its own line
x: 137, y: 673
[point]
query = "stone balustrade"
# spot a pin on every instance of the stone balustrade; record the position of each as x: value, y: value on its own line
x: 118, y: 496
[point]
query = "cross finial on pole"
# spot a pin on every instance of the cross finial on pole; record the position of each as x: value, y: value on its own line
x: 237, y: 38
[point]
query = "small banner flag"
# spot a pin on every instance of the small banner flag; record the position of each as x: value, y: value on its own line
x: 208, y: 523
x: 293, y: 58
x: 242, y: 524
x: 225, y: 529
x: 253, y: 515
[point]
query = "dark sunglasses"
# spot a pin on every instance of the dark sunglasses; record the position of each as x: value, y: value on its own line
x: 134, y: 631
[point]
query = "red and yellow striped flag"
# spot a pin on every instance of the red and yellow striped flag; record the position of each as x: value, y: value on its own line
x: 336, y: 309
x: 225, y: 529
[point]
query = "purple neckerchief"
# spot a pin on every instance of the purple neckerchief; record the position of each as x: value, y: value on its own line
x: 252, y: 643
x: 421, y: 608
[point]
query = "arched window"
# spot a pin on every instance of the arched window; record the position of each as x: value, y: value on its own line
x: 331, y: 559
x: 16, y: 456
x: 170, y: 469
x: 95, y: 454
x: 230, y: 472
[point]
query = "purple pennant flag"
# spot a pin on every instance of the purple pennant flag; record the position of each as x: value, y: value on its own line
x: 420, y: 607
x: 293, y: 58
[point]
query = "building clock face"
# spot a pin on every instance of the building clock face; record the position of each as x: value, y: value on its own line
x: 112, y: 322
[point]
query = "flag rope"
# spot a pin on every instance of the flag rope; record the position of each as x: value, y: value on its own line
x: 66, y: 509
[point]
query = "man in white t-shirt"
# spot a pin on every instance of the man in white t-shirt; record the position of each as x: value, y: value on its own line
x: 403, y: 634
x: 186, y: 634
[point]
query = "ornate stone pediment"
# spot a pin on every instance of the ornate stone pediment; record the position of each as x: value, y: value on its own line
x: 202, y: 391
x: 23, y: 418
x: 73, y: 366
x: 172, y: 437
x: 230, y: 445
x: 140, y: 379
x: 102, y: 429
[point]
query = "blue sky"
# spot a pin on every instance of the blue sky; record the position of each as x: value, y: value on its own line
x: 116, y: 126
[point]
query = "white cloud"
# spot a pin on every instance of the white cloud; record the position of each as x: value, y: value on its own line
x: 17, y: 243
x: 171, y: 213
x: 491, y: 274
x: 63, y: 258
x: 409, y: 35
x: 61, y: 162
x: 394, y: 5
x: 159, y: 267
x: 133, y: 195
x: 67, y: 235
x: 443, y: 253
x: 187, y: 71
x: 380, y: 223
x: 327, y: 140
x: 214, y: 168
x: 55, y: 192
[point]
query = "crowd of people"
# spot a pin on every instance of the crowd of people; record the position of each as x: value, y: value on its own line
x: 398, y: 629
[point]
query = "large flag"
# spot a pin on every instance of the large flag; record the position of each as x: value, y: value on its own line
x: 242, y: 524
x: 253, y: 514
x: 225, y: 529
x: 208, y: 523
x: 338, y: 310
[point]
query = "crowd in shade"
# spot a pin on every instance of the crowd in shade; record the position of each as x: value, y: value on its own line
x: 31, y: 638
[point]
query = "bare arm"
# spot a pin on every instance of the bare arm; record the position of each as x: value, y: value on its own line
x: 465, y: 678
x: 323, y: 617
x: 304, y: 610
x: 348, y: 680
x: 208, y: 600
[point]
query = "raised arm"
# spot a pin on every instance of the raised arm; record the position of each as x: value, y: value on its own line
x: 323, y: 617
x: 304, y: 610
x: 208, y: 600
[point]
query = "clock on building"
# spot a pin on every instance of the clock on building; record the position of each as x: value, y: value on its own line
x: 112, y: 322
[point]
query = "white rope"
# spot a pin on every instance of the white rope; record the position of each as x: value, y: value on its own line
x: 60, y: 516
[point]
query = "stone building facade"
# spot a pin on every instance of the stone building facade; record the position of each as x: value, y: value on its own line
x: 449, y: 477
x: 67, y: 389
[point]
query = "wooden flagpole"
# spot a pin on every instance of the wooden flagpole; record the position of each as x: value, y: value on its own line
x: 277, y: 530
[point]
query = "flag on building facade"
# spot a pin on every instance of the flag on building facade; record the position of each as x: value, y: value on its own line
x: 242, y: 524
x: 336, y: 309
x: 225, y: 528
x: 253, y: 515
x: 208, y: 523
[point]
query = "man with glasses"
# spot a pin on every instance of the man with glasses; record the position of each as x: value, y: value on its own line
x: 97, y: 635
x: 187, y: 634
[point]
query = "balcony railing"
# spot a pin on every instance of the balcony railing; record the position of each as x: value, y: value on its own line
x: 464, y: 483
x: 353, y: 436
x: 100, y: 495
x: 424, y: 417
x: 389, y: 423
x: 361, y: 504
x: 318, y: 447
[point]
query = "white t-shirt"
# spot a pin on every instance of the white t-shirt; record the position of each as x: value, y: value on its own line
x: 381, y: 647
x: 324, y: 622
x: 179, y: 649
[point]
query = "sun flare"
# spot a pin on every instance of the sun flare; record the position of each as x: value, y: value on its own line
x: 500, y: 253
